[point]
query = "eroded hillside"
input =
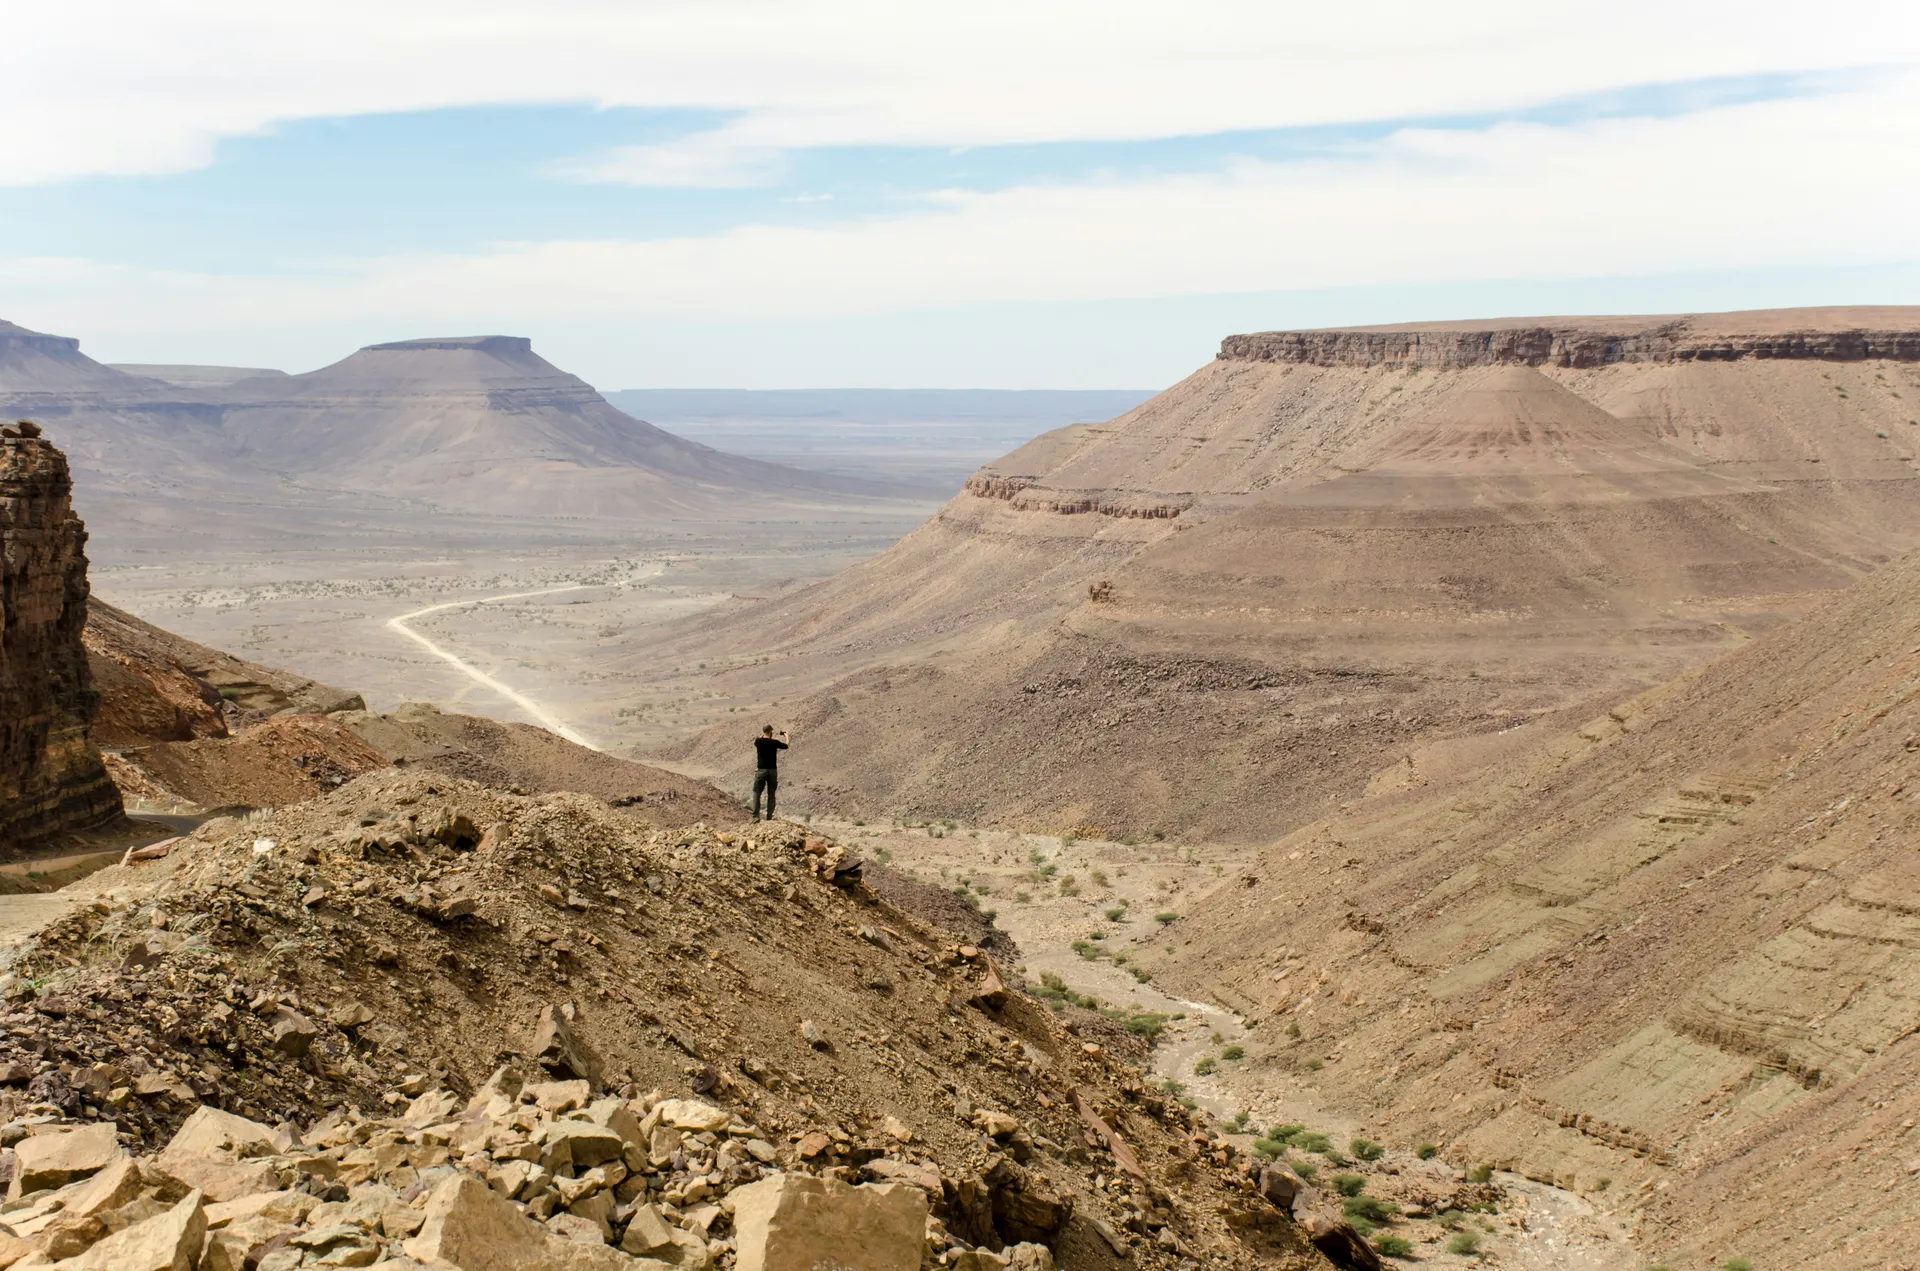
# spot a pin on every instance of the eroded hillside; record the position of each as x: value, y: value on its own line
x: 1222, y: 610
x: 1672, y: 951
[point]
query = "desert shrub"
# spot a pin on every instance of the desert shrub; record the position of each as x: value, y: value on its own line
x: 1114, y: 913
x: 1049, y: 870
x: 1601, y: 1184
x: 1022, y: 898
x: 1312, y: 1141
x: 1069, y: 886
x: 1293, y: 1030
x: 1284, y: 1133
x: 1361, y: 1225
x: 1307, y: 1170
x: 1205, y: 1066
x: 1314, y: 1065
x: 1172, y: 1087
x: 1349, y: 1184
x: 1393, y: 1247
x: 1085, y: 950
x: 1234, y: 1052
x: 1736, y: 1264
x: 1464, y: 1243
x: 1371, y: 1208
x: 1166, y: 917
x: 1268, y: 1148
x: 1480, y: 1174
x: 1098, y: 877
x: 1141, y: 973
x: 1426, y: 1151
x: 1239, y: 1122
x: 1215, y: 1038
x: 1450, y: 1219
x: 1147, y: 1025
x: 1366, y: 1149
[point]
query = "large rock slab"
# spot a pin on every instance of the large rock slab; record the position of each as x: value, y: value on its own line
x: 796, y: 1222
x: 210, y: 1152
x: 54, y: 1160
x: 165, y: 1242
x: 472, y: 1227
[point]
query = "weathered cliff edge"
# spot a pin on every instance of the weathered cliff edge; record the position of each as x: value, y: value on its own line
x: 51, y: 777
x: 1578, y: 342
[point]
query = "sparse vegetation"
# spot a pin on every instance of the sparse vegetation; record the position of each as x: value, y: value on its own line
x: 1450, y: 1219
x: 1097, y: 877
x: 1114, y: 913
x: 1314, y: 1065
x: 1393, y: 1247
x: 1166, y: 917
x: 1147, y: 1025
x: 1312, y: 1141
x: 1371, y: 1208
x: 1480, y: 1174
x: 1205, y: 1066
x: 1465, y: 1243
x: 1349, y: 1185
x: 1366, y: 1149
x: 1234, y: 1052
x: 1293, y: 1030
x: 1736, y: 1264
x: 1426, y: 1151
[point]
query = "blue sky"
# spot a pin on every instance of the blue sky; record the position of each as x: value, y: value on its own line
x: 1023, y: 202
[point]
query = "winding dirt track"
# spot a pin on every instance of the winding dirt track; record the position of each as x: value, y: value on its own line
x: 541, y: 715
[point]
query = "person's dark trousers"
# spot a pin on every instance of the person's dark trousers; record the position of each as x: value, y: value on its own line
x: 767, y: 779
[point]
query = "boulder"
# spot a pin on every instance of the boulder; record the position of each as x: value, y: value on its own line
x: 56, y: 1159
x: 168, y: 1241
x: 589, y: 1144
x: 1334, y: 1236
x: 1279, y: 1185
x: 555, y: 1046
x: 473, y: 1227
x: 241, y: 1244
x: 209, y: 1153
x: 652, y: 1239
x: 797, y: 1220
x: 691, y: 1114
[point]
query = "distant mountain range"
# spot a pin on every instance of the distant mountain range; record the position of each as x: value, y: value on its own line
x: 476, y: 424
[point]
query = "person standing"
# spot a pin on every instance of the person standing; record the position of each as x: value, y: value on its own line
x: 766, y: 768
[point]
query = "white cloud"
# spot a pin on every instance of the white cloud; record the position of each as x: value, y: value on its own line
x: 708, y: 161
x: 1828, y: 181
x: 148, y: 86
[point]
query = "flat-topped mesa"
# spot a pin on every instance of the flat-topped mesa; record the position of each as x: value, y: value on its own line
x: 51, y: 778
x: 1891, y: 334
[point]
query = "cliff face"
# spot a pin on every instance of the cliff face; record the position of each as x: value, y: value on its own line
x: 1574, y: 344
x: 51, y: 778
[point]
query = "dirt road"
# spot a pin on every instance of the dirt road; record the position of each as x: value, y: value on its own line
x: 541, y: 715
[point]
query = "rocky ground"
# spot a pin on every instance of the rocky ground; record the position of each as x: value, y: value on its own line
x: 346, y: 978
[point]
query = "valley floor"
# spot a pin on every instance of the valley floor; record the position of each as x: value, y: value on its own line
x: 1093, y: 918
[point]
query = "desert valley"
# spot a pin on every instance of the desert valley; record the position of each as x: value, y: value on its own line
x: 1425, y: 793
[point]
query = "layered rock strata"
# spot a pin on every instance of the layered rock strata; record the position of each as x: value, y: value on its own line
x: 51, y: 778
x: 1573, y: 345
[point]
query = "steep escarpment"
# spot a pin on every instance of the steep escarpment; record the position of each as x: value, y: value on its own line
x: 51, y: 778
x: 1230, y: 606
x: 1671, y: 952
x: 1847, y: 335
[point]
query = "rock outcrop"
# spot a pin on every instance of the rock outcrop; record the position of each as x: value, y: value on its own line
x: 1578, y: 343
x: 51, y: 778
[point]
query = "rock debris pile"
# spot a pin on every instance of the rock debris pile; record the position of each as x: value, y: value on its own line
x: 418, y: 1021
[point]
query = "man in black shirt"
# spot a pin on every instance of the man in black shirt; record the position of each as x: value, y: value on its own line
x: 766, y: 768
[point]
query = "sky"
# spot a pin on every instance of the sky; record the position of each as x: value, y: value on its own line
x: 834, y: 193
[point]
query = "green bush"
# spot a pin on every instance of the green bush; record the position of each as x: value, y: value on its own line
x: 1098, y: 876
x: 1268, y: 1148
x: 1114, y: 913
x: 1307, y: 1170
x: 1293, y: 1030
x: 1205, y: 1066
x: 1464, y: 1242
x: 1736, y: 1264
x: 1165, y: 917
x: 1282, y: 1133
x: 1480, y: 1174
x: 1426, y: 1151
x: 1234, y: 1052
x: 1601, y: 1184
x: 1349, y: 1184
x: 1146, y: 1025
x: 1314, y: 1065
x: 1141, y: 973
x: 1450, y: 1219
x: 1361, y: 1225
x: 1371, y: 1208
x: 1393, y: 1247
x: 1312, y: 1141
x: 1366, y: 1149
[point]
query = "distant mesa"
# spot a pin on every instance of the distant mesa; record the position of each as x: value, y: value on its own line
x: 195, y: 376
x: 476, y: 423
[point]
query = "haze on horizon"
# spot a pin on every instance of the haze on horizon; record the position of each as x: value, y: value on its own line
x: 1064, y: 196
